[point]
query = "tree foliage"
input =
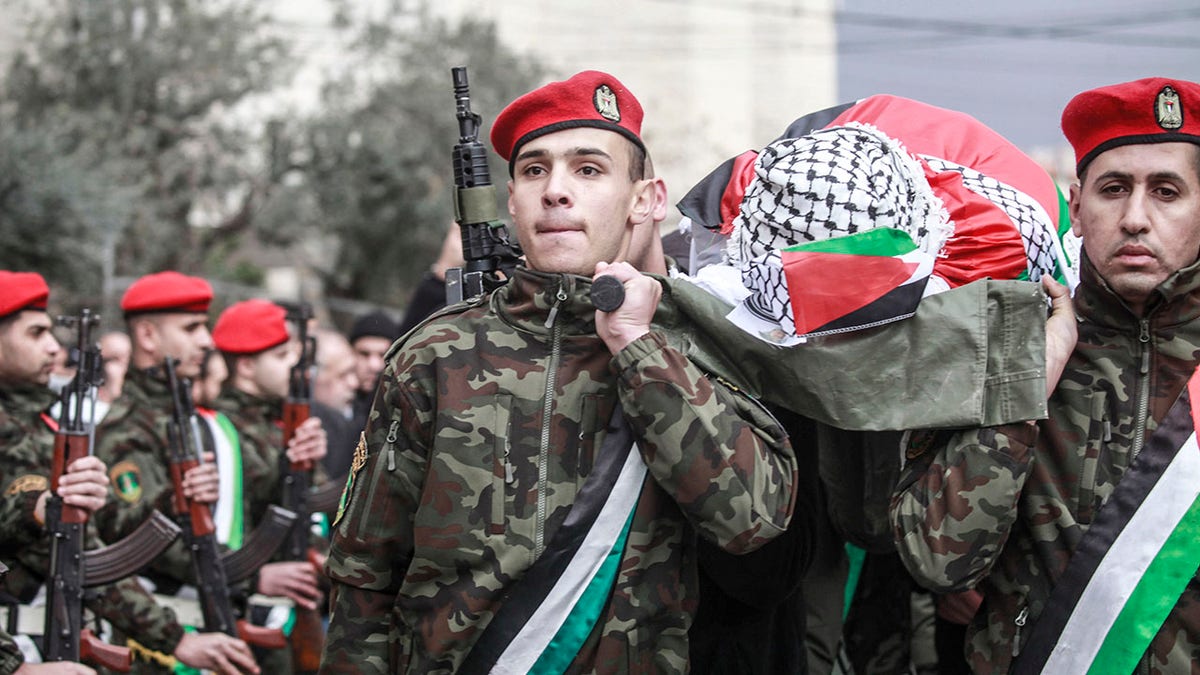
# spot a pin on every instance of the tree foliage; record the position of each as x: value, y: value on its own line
x: 131, y: 98
x: 125, y: 146
x: 374, y: 166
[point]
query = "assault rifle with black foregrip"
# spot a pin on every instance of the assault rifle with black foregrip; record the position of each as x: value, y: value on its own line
x: 487, y: 247
x: 216, y: 571
x: 71, y: 569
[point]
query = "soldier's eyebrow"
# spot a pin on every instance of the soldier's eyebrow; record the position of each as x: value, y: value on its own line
x: 1113, y: 173
x: 586, y: 151
x: 530, y: 154
x: 1156, y: 176
x: 582, y: 151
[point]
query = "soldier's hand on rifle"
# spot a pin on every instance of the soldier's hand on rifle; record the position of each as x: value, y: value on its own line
x: 216, y: 652
x: 631, y: 320
x: 296, y: 580
x: 56, y: 668
x: 308, y: 443
x: 202, y: 483
x: 84, y: 485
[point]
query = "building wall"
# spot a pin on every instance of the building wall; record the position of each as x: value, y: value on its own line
x: 715, y: 77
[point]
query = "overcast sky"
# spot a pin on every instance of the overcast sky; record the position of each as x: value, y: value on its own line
x: 1012, y: 64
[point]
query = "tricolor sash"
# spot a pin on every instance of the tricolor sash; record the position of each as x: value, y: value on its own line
x: 545, y: 616
x: 228, y: 515
x: 1132, y: 564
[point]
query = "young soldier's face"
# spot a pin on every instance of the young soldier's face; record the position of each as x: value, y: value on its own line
x: 573, y: 201
x: 27, y: 348
x: 1138, y: 212
x: 271, y: 369
x: 182, y: 336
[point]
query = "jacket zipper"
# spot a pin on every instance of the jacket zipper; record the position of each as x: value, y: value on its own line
x: 391, y: 444
x: 1143, y: 406
x: 547, y: 410
x: 1020, y: 623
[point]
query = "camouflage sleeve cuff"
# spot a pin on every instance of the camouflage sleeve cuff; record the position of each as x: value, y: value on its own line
x: 626, y: 359
x: 28, y: 529
x: 133, y: 610
x: 10, y: 656
x: 165, y: 635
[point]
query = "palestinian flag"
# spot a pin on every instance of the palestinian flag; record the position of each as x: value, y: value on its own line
x: 856, y: 281
x: 972, y: 200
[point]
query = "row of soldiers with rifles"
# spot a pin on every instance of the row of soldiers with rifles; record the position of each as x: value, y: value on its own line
x: 169, y: 536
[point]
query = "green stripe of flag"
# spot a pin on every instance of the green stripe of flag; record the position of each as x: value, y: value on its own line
x: 881, y: 241
x: 567, y: 642
x: 1152, y: 599
x: 237, y: 530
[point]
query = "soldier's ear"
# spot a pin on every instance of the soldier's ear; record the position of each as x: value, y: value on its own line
x: 144, y: 334
x: 1073, y: 208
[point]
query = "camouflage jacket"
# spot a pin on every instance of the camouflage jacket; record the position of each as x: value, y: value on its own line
x: 422, y: 556
x: 1004, y: 507
x: 260, y: 437
x: 28, y: 444
x: 10, y: 654
x: 132, y: 441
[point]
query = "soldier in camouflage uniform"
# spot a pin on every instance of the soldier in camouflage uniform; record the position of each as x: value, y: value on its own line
x: 491, y: 415
x: 1004, y: 508
x: 166, y: 316
x: 27, y: 351
x: 253, y: 338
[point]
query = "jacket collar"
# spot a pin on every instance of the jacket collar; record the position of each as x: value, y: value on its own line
x: 26, y: 399
x: 1176, y: 300
x: 234, y: 399
x: 147, y: 386
x: 528, y: 299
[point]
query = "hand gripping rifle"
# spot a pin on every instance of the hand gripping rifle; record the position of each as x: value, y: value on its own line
x: 308, y: 633
x: 216, y: 571
x: 486, y: 245
x: 71, y: 569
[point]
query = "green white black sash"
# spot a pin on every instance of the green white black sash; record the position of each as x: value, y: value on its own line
x: 227, y: 516
x: 547, y: 614
x: 1132, y: 564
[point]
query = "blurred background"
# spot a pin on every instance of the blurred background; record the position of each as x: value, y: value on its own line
x: 300, y: 149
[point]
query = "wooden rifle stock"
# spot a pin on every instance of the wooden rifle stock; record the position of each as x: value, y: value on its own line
x: 94, y: 650
x: 199, y: 530
x: 308, y: 631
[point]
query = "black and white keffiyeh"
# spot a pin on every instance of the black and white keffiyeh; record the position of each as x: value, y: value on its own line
x: 830, y: 183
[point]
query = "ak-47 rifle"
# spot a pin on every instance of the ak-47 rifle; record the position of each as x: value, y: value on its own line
x: 71, y: 569
x: 308, y: 632
x: 216, y: 571
x: 487, y: 247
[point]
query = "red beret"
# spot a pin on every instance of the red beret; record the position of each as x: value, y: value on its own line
x: 22, y: 290
x: 1153, y: 110
x: 588, y: 99
x: 250, y: 327
x: 167, y: 292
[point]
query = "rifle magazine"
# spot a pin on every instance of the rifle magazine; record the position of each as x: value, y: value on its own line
x: 119, y: 560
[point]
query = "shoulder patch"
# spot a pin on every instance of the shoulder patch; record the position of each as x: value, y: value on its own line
x: 127, y: 481
x: 31, y: 482
x: 360, y: 460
